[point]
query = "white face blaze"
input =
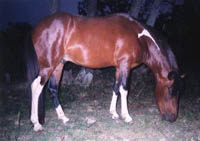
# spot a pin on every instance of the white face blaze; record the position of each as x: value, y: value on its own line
x: 36, y: 89
x: 61, y: 114
x: 124, y: 107
x: 146, y: 33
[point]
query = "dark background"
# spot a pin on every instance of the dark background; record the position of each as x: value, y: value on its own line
x: 177, y: 21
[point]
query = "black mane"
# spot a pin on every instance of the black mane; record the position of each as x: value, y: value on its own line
x: 165, y: 48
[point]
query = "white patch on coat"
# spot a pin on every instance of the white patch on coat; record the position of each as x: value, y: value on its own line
x: 146, y: 33
x: 61, y: 114
x: 113, y: 106
x: 36, y: 89
x: 124, y: 106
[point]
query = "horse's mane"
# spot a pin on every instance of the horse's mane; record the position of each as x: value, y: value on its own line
x: 171, y: 57
x: 165, y: 47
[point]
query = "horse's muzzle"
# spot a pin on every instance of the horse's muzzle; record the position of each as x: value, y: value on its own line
x: 169, y: 117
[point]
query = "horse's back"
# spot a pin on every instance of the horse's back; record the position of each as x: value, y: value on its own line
x: 98, y: 41
x: 92, y: 42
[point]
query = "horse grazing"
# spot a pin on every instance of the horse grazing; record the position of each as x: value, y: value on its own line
x: 96, y: 42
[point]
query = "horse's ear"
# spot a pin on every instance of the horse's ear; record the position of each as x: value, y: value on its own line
x: 172, y: 75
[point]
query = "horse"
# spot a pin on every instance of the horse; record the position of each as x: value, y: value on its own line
x: 116, y: 40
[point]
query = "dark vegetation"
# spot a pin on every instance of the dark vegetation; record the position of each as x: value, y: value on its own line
x: 11, y: 52
x: 180, y: 28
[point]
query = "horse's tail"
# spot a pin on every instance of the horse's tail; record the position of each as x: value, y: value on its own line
x: 32, y: 71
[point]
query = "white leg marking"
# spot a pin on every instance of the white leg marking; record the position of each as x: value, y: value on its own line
x: 124, y: 107
x: 36, y: 88
x: 113, y: 106
x: 61, y: 114
x: 146, y: 33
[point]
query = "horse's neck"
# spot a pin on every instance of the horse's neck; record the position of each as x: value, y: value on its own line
x: 158, y: 62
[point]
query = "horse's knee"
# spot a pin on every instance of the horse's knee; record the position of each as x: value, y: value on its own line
x: 124, y: 82
x: 121, y: 83
x: 116, y: 88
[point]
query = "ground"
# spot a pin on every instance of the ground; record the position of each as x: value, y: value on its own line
x: 88, y: 111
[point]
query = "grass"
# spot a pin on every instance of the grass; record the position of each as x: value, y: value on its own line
x: 88, y: 111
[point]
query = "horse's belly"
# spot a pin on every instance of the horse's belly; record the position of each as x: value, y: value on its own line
x: 90, y: 57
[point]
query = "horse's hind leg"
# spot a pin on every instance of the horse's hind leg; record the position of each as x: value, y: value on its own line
x: 36, y: 89
x: 53, y: 88
x: 121, y: 87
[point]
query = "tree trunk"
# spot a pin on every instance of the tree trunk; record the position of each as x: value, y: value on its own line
x: 54, y: 6
x: 154, y: 13
x: 135, y: 8
x: 92, y: 7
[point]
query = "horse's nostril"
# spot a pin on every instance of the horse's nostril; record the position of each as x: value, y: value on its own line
x: 169, y: 117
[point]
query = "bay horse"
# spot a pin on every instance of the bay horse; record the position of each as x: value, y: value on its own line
x: 96, y: 42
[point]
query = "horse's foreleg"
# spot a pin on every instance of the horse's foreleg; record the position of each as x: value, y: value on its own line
x: 53, y: 88
x: 36, y: 89
x: 113, y: 106
x: 124, y: 106
x: 122, y: 88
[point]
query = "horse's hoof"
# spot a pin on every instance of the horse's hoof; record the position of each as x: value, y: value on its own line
x: 114, y: 115
x: 127, y: 119
x: 38, y: 127
x: 65, y: 120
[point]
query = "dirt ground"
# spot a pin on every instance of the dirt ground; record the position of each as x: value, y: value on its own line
x: 88, y: 111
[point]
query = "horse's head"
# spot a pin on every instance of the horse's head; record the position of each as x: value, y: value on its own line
x: 167, y: 94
